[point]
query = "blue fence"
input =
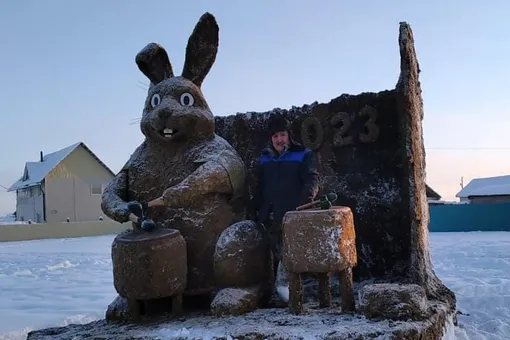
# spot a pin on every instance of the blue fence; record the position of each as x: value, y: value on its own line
x: 469, y: 217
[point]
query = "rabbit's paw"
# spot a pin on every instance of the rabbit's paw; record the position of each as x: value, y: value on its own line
x: 135, y: 208
x: 148, y: 225
x: 138, y: 209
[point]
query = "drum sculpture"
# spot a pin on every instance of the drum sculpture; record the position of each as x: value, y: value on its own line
x: 149, y: 265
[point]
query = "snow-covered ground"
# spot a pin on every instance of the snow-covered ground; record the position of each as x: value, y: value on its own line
x: 476, y: 266
x: 53, y: 282
x: 56, y: 282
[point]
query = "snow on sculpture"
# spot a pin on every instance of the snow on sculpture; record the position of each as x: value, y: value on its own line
x: 321, y: 241
x: 149, y: 266
x: 192, y: 174
x: 371, y: 153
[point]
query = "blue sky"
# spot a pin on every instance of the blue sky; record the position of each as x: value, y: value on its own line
x: 68, y: 71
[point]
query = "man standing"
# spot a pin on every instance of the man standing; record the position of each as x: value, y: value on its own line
x: 287, y: 177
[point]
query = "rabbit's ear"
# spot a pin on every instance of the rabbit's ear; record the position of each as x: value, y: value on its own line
x: 154, y: 63
x: 201, y: 50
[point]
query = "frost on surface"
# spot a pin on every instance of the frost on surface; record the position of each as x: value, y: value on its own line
x: 382, y: 181
x: 198, y: 186
x: 242, y: 257
x: 416, y: 213
x: 393, y: 301
x: 365, y: 177
x: 260, y: 324
x: 319, y: 241
x: 243, y: 234
x: 197, y: 174
x: 235, y: 301
x: 449, y: 329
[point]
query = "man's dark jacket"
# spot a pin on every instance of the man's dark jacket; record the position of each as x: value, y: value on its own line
x: 285, y: 181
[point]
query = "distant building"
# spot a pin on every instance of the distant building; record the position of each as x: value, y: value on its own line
x: 486, y: 190
x: 64, y: 184
x: 432, y: 195
x: 7, y: 219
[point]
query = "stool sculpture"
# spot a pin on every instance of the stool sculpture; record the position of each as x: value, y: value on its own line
x: 149, y: 265
x: 320, y: 241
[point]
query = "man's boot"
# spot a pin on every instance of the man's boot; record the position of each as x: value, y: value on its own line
x: 282, y: 283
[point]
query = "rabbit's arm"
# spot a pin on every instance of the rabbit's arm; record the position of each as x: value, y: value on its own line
x: 116, y: 194
x: 210, y: 177
x: 114, y: 198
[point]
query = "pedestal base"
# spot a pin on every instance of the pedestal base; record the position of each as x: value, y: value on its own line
x: 269, y: 324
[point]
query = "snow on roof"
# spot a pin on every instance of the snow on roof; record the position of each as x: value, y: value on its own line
x: 431, y: 192
x: 489, y: 186
x: 37, y: 171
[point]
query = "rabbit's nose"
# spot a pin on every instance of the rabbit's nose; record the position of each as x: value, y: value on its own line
x: 164, y: 114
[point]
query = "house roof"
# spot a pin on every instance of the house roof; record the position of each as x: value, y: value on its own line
x: 488, y: 186
x: 37, y: 171
x: 431, y: 193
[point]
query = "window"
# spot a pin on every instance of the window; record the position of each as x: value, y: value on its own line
x: 35, y: 191
x: 96, y: 189
x: 24, y: 192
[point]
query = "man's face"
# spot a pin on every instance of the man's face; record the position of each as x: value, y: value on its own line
x: 280, y: 140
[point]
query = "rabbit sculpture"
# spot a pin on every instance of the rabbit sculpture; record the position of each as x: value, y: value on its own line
x: 197, y: 174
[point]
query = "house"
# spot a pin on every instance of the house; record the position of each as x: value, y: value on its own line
x: 432, y: 196
x: 486, y: 190
x: 64, y: 184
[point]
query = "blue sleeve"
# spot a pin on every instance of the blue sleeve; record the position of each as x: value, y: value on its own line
x: 309, y: 177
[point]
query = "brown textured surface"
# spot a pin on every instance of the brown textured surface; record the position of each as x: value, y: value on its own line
x: 319, y: 241
x: 242, y: 257
x: 346, y: 290
x: 393, y: 301
x: 324, y: 290
x: 265, y: 324
x: 149, y: 265
x: 202, y: 49
x: 382, y: 181
x: 235, y: 301
x: 379, y: 175
x: 295, y: 293
x: 366, y: 176
x: 118, y: 310
x: 198, y: 173
x: 416, y: 214
x: 195, y: 209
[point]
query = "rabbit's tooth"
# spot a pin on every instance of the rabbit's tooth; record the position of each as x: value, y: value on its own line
x: 169, y: 131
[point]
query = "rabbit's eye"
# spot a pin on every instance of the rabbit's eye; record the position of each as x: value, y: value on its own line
x: 155, y: 100
x: 187, y: 99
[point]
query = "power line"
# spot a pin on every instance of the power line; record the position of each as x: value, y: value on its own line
x: 469, y: 148
x: 141, y: 85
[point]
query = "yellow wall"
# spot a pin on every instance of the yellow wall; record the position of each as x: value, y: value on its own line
x: 24, y: 232
x: 68, y: 192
